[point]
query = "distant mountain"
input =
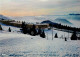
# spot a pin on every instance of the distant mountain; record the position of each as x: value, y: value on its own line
x: 63, y: 21
x: 74, y: 14
x: 49, y: 22
x: 3, y: 17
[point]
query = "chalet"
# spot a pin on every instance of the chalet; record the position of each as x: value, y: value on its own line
x: 16, y: 24
x: 42, y: 26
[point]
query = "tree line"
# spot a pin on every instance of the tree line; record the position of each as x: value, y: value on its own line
x: 59, y: 26
x: 32, y: 30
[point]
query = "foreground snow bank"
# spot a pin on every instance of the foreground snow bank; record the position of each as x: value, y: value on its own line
x: 22, y: 45
x: 16, y: 44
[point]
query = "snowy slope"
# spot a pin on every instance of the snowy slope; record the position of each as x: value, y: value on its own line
x: 28, y: 46
x: 16, y: 44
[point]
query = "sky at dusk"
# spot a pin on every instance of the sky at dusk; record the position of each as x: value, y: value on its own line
x: 38, y: 7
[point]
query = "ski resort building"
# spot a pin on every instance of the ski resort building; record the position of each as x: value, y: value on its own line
x: 18, y: 24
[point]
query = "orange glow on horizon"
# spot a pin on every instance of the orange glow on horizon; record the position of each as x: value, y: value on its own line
x: 26, y: 13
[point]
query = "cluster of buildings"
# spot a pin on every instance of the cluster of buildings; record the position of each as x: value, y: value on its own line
x: 18, y: 23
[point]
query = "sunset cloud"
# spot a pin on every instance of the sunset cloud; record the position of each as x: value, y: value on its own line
x: 38, y: 7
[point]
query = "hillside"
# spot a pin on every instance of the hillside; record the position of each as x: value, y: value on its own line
x: 48, y: 22
x: 63, y: 21
x: 4, y: 17
x: 16, y: 44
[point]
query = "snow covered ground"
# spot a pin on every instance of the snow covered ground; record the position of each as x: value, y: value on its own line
x: 16, y: 44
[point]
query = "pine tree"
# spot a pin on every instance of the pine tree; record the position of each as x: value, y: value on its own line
x: 74, y: 37
x: 0, y: 27
x: 9, y: 29
x: 65, y: 39
x: 23, y: 25
x: 24, y: 28
x: 33, y: 30
x: 56, y: 36
x: 43, y: 34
